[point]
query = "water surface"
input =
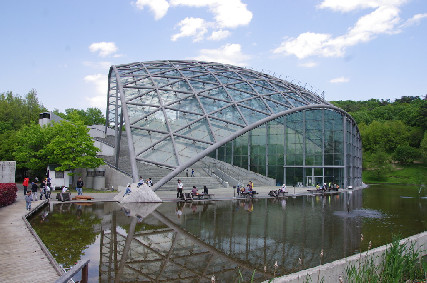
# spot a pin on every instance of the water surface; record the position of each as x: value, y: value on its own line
x: 232, y: 240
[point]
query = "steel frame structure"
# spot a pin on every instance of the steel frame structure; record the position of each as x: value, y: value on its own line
x: 178, y: 111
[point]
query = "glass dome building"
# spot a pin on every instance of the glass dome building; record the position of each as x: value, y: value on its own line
x: 177, y: 112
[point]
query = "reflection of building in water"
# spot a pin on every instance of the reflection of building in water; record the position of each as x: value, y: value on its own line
x: 225, y: 239
x: 166, y: 254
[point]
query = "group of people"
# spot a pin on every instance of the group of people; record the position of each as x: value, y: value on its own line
x: 31, y: 189
x: 31, y: 193
x: 194, y: 190
x: 192, y: 172
x: 141, y: 181
x: 248, y: 189
x: 329, y: 186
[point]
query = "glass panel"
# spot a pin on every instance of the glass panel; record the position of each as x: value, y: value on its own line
x: 143, y: 97
x: 199, y: 130
x: 155, y: 121
x: 169, y: 96
x: 275, y: 107
x: 238, y: 95
x: 230, y: 114
x: 223, y: 130
x: 143, y: 139
x: 224, y: 79
x: 188, y: 149
x: 211, y: 104
x: 179, y: 119
x: 162, y: 153
x: 189, y: 104
x: 136, y: 112
x: 256, y: 103
x: 251, y: 116
x: 181, y: 85
x: 217, y: 93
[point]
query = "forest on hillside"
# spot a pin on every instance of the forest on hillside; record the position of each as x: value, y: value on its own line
x: 393, y: 133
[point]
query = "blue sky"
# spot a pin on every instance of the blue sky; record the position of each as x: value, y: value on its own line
x: 350, y: 49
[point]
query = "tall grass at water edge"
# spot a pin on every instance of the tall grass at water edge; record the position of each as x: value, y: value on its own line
x: 400, y: 263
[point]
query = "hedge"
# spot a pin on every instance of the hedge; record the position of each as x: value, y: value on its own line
x: 7, y: 193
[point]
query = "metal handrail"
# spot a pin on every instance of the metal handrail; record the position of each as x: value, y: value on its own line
x: 82, y: 265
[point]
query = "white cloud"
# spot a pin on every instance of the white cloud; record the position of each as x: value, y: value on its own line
x: 103, y: 48
x: 158, y: 7
x: 415, y: 20
x: 383, y: 20
x: 351, y: 5
x: 220, y: 34
x: 227, y: 13
x: 339, y: 80
x: 227, y: 54
x: 195, y: 27
x: 309, y: 64
x: 99, y: 99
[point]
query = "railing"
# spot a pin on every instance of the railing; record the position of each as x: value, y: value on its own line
x: 82, y: 265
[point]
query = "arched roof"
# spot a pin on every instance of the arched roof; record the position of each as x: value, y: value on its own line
x: 177, y: 109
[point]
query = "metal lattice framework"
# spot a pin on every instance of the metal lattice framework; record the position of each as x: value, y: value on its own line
x: 176, y: 112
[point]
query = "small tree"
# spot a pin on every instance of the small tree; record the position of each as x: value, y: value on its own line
x: 66, y: 144
x: 380, y: 164
x: 71, y: 147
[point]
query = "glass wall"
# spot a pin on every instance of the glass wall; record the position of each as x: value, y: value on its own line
x: 304, y: 148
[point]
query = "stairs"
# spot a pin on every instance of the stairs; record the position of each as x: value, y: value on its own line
x: 156, y: 173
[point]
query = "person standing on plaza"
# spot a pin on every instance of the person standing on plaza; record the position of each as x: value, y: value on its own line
x: 25, y: 185
x: 28, y: 200
x: 34, y: 188
x: 192, y: 172
x: 179, y: 189
x: 79, y: 187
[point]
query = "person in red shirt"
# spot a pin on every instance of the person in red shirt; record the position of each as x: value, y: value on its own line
x: 25, y: 184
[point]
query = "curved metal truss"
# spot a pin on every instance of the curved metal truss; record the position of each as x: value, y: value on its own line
x: 173, y: 111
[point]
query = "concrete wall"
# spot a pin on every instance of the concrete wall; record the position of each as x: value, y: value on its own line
x: 113, y: 178
x: 7, y: 171
x: 331, y: 272
x: 106, y: 150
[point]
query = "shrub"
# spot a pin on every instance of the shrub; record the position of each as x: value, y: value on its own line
x: 7, y: 193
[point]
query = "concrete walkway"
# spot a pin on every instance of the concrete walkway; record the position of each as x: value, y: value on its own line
x: 23, y: 260
x: 21, y: 257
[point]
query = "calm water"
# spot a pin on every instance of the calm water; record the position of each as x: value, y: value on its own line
x: 233, y: 240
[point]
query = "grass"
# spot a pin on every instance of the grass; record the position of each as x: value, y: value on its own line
x: 402, y: 174
x: 401, y: 263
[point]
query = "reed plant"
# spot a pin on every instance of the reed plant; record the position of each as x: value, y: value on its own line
x: 400, y: 263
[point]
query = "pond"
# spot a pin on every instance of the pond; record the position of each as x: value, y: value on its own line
x: 235, y: 240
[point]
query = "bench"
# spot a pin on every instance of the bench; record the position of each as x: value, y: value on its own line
x: 202, y: 196
x: 83, y: 198
x: 187, y: 197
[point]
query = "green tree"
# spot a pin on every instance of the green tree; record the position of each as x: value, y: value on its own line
x: 65, y: 144
x: 405, y: 154
x: 90, y: 116
x: 423, y: 147
x: 29, y: 149
x: 379, y: 163
x: 384, y: 135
